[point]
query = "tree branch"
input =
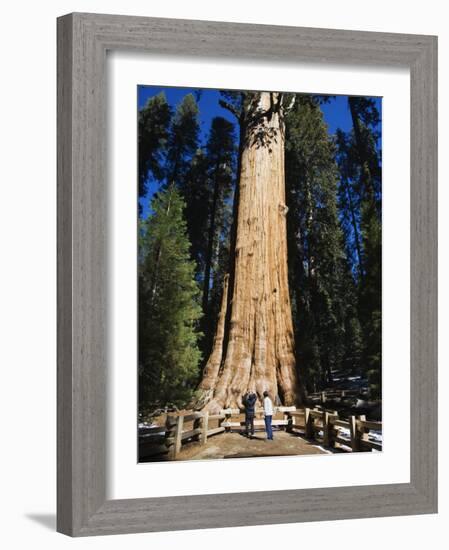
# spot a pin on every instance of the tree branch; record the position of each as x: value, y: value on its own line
x: 229, y: 107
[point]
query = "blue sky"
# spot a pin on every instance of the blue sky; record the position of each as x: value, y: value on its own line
x: 336, y: 112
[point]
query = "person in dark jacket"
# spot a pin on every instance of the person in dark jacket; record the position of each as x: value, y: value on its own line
x: 249, y: 400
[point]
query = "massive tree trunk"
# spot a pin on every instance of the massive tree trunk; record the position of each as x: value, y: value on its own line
x: 254, y: 343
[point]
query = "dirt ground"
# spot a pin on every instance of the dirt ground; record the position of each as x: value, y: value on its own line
x: 236, y: 445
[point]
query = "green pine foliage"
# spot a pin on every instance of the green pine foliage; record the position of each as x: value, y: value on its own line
x: 169, y: 310
x: 153, y: 124
x: 360, y: 203
x: 207, y: 190
x: 317, y: 261
x: 183, y: 140
x: 196, y: 194
x: 371, y: 293
x: 221, y: 163
x: 186, y: 167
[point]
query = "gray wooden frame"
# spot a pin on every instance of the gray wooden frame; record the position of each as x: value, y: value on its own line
x: 83, y: 40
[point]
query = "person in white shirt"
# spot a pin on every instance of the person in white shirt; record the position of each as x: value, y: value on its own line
x: 268, y: 414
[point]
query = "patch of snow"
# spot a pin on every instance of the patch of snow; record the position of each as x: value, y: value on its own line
x: 344, y: 432
x: 146, y: 425
x: 375, y: 436
x: 323, y: 449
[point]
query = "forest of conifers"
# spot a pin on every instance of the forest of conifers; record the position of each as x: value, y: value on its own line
x: 188, y: 209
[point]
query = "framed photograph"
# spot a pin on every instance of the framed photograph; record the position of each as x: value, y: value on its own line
x: 247, y: 292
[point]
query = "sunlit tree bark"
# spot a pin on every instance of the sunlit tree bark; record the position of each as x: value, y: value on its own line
x: 254, y: 343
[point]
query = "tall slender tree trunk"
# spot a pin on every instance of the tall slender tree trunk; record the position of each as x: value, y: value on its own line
x: 254, y: 343
x: 357, y: 239
x: 157, y: 259
x: 210, y: 242
x: 366, y: 176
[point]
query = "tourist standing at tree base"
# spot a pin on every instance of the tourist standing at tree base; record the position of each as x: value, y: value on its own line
x: 268, y: 414
x: 250, y: 409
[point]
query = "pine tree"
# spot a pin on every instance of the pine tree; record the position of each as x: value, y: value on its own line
x: 154, y: 119
x: 186, y: 167
x: 316, y: 248
x: 220, y: 152
x: 183, y: 141
x: 360, y: 203
x: 207, y: 187
x: 349, y: 203
x: 196, y: 195
x: 169, y: 309
x: 366, y: 120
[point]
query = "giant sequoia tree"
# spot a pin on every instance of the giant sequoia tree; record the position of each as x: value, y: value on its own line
x: 277, y: 248
x: 254, y: 340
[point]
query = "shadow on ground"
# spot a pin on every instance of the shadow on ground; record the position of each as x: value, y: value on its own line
x: 46, y: 520
x: 236, y: 445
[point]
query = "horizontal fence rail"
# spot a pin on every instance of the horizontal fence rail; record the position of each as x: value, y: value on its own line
x: 324, y: 426
x: 176, y: 435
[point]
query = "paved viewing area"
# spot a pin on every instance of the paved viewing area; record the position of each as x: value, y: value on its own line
x: 236, y: 445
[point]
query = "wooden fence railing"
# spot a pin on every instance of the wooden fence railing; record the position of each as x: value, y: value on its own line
x: 176, y: 435
x: 178, y: 429
x: 152, y: 441
x: 330, y: 394
x: 239, y: 424
x: 322, y: 425
x: 326, y: 426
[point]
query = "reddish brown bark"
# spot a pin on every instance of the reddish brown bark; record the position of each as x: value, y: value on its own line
x: 254, y: 343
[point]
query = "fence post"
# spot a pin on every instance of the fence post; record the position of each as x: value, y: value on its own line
x: 204, y: 427
x: 228, y: 419
x: 308, y: 424
x: 197, y: 423
x: 326, y: 429
x: 363, y: 432
x: 170, y: 434
x: 355, y: 436
x: 290, y: 422
x: 323, y: 397
x: 178, y: 436
x: 331, y: 430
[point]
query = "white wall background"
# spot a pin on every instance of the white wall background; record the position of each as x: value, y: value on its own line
x: 28, y: 267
